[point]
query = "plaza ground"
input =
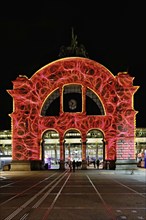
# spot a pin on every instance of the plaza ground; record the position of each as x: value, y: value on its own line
x: 81, y: 195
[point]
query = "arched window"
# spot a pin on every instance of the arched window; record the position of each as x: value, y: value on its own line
x: 72, y: 98
x: 93, y: 104
x: 51, y: 106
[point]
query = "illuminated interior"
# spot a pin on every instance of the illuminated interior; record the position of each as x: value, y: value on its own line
x: 73, y: 94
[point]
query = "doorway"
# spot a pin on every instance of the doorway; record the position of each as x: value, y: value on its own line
x: 94, y: 148
x: 51, y: 149
x: 73, y: 147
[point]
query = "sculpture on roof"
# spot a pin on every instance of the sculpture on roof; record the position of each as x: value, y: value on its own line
x: 73, y: 49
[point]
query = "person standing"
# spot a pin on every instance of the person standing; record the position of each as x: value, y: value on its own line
x: 74, y: 165
x: 70, y: 165
x: 97, y: 163
x: 94, y: 163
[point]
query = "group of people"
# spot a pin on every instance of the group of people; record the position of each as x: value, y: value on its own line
x: 96, y: 163
x: 73, y: 164
x: 76, y: 164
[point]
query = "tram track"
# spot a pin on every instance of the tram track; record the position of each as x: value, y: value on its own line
x: 40, y: 196
x: 19, y: 194
x: 45, y: 217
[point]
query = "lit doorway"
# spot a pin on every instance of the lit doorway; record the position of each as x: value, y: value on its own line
x: 73, y: 147
x: 51, y: 149
x: 94, y: 148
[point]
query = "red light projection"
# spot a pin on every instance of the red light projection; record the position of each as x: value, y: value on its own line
x: 115, y: 92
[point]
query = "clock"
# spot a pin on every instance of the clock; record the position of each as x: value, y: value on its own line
x: 72, y: 104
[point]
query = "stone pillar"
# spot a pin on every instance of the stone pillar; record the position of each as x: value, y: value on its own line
x: 42, y: 150
x: 62, y: 154
x: 125, y: 122
x: 84, y: 162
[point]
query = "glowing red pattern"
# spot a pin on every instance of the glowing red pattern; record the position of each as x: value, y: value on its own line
x: 115, y: 92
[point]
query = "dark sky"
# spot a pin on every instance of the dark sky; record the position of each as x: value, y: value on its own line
x: 113, y: 33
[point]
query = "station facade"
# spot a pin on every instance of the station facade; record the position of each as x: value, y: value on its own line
x: 81, y: 107
x: 52, y: 154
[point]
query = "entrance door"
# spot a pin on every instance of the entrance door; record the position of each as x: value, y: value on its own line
x: 73, y: 146
x: 94, y: 147
x: 51, y: 149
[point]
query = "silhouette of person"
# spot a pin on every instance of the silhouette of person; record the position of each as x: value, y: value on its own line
x: 94, y: 163
x: 73, y: 165
x: 97, y: 163
x: 70, y: 165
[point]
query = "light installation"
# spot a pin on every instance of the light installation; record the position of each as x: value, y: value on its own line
x: 115, y: 93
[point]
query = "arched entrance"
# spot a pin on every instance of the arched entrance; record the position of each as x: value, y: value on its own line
x: 73, y: 146
x: 95, y: 147
x: 50, y: 149
x: 59, y: 97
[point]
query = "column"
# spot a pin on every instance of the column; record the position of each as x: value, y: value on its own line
x: 84, y: 162
x: 62, y: 154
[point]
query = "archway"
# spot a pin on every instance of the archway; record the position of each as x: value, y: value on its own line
x: 95, y: 147
x: 50, y: 149
x: 111, y: 96
x: 73, y: 146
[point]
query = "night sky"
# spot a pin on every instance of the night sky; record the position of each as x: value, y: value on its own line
x: 113, y: 33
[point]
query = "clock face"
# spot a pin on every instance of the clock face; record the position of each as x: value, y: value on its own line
x: 72, y: 104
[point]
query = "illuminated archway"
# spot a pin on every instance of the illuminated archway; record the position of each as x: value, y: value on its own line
x: 73, y: 147
x: 50, y: 149
x: 94, y: 146
x: 115, y: 94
